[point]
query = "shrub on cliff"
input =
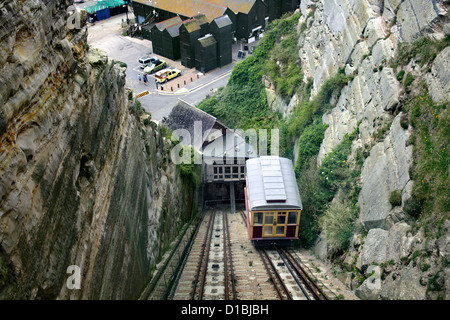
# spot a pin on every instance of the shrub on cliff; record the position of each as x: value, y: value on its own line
x: 337, y: 225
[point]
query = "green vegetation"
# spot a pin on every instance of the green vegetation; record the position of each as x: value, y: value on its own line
x: 305, y: 113
x: 243, y: 103
x: 191, y: 171
x: 283, y: 64
x: 335, y: 170
x: 400, y: 75
x: 408, y: 81
x: 337, y: 223
x: 309, y: 144
x: 395, y: 198
x: 318, y: 187
x: 431, y: 158
x: 423, y: 51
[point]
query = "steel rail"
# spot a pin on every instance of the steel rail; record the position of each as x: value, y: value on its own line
x: 203, y: 259
x: 295, y: 274
x: 310, y: 284
x: 267, y: 261
x: 228, y: 258
x: 323, y: 286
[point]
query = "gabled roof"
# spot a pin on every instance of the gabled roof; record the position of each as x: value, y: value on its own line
x: 207, y: 40
x: 174, y: 29
x: 201, y: 18
x: 167, y: 23
x: 188, y: 117
x: 232, y: 144
x: 223, y: 21
x: 191, y: 25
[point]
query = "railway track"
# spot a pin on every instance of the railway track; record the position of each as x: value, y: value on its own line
x: 214, y: 275
x: 275, y: 278
x: 222, y: 264
x: 289, y: 278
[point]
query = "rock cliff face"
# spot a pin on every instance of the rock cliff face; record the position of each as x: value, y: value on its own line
x: 83, y: 181
x: 364, y: 37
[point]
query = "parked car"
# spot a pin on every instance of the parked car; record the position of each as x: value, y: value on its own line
x: 166, y: 75
x: 155, y: 66
x: 146, y: 61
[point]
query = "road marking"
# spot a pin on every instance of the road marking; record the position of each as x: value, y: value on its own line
x: 143, y: 94
x: 185, y: 91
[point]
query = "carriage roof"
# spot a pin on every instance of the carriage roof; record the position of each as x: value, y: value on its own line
x: 271, y: 184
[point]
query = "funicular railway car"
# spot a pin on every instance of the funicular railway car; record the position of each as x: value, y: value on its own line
x: 272, y: 199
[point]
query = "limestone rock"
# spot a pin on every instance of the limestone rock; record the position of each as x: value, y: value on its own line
x: 321, y: 248
x: 406, y: 287
x: 374, y: 249
x: 383, y: 246
x: 370, y: 289
x: 385, y: 170
x: 418, y: 17
x: 439, y: 79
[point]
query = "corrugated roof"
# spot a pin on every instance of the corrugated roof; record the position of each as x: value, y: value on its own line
x: 271, y: 184
x: 187, y: 8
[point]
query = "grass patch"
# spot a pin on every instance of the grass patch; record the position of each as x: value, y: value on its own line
x: 423, y: 51
x: 309, y: 144
x: 431, y: 158
x: 338, y: 224
x: 318, y: 186
x: 395, y: 198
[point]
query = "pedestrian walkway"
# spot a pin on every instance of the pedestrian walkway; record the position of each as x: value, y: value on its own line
x: 187, y: 77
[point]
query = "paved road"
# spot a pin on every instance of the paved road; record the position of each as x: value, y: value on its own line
x: 107, y: 35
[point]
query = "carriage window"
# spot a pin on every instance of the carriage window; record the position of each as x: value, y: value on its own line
x: 269, y: 218
x: 281, y: 218
x: 257, y: 218
x: 280, y: 230
x: 292, y: 218
x: 268, y: 231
